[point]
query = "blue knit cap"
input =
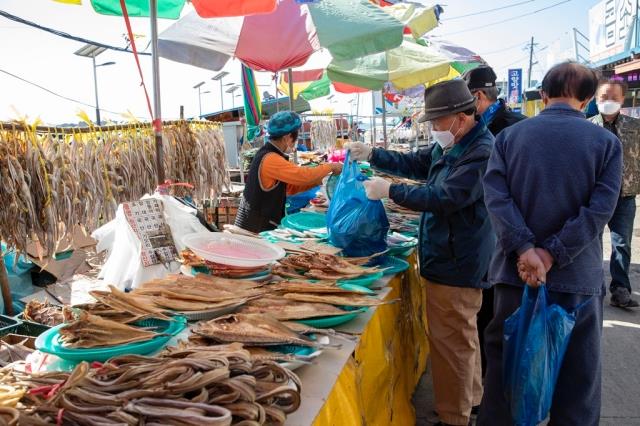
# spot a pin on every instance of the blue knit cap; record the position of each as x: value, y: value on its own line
x: 282, y: 123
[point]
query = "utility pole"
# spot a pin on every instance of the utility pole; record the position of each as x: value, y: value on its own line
x: 531, y: 64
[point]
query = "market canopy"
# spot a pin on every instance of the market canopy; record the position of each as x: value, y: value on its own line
x: 406, y: 66
x: 287, y: 37
x: 171, y: 9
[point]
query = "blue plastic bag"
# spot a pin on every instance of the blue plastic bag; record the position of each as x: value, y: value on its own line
x: 300, y: 200
x: 356, y: 224
x: 536, y: 337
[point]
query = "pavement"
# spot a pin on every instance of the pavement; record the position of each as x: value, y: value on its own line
x: 620, y: 355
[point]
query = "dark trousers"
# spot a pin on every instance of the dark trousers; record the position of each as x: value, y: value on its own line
x: 484, y: 318
x: 621, y: 227
x: 576, y: 400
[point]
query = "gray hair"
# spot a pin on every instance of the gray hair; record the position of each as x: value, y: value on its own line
x: 490, y: 92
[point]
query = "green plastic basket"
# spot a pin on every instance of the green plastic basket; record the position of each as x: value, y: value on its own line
x: 364, y: 281
x: 329, y: 322
x: 49, y: 342
x: 8, y: 325
x: 305, y: 221
x: 30, y: 328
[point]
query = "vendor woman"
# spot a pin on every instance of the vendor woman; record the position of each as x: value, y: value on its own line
x: 272, y: 177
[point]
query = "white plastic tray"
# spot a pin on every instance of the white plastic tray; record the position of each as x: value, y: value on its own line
x: 233, y: 250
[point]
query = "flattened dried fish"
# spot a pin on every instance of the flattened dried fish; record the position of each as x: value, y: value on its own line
x: 252, y: 329
x: 284, y: 309
x: 43, y: 313
x: 351, y: 300
x: 307, y: 287
x: 90, y: 331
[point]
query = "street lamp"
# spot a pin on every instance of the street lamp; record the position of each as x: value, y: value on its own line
x: 231, y: 90
x: 219, y: 77
x: 91, y: 51
x: 200, y: 93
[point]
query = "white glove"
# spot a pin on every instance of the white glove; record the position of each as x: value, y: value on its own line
x: 377, y: 188
x: 359, y: 151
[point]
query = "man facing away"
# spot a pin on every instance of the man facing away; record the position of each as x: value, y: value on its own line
x: 551, y: 186
x: 610, y: 98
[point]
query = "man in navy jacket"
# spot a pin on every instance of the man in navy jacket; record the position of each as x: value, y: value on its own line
x: 456, y: 241
x: 551, y: 186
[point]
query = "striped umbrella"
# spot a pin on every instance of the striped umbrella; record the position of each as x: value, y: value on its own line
x: 415, y: 63
x: 252, y: 103
x: 286, y: 37
x: 171, y: 9
x: 406, y: 66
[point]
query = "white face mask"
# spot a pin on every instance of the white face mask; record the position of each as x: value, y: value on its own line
x: 444, y: 138
x: 609, y: 107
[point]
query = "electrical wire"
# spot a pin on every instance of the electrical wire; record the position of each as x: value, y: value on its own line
x: 507, y: 20
x: 502, y: 49
x: 495, y: 9
x: 56, y: 94
x: 66, y: 35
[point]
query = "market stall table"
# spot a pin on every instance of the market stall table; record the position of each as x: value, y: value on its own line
x: 371, y: 380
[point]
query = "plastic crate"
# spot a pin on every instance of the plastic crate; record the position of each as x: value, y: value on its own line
x: 30, y: 328
x: 8, y: 325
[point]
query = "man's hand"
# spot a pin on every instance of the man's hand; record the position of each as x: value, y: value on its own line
x: 546, y: 258
x: 532, y: 268
x: 336, y: 168
x: 377, y: 188
x: 359, y: 151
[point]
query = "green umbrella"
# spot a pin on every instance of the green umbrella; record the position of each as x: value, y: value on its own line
x: 406, y: 66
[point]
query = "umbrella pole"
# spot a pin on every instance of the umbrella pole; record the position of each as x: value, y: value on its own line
x: 6, y: 289
x: 157, y: 121
x: 384, y: 120
x: 275, y: 79
x: 373, y: 118
x: 290, y: 72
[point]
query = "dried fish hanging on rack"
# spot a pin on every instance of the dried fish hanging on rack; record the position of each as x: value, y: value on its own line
x: 53, y: 179
x: 324, y: 134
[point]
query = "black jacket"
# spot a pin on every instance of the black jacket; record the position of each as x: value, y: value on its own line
x: 504, y: 118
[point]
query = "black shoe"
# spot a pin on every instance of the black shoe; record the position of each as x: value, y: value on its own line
x: 475, y: 410
x: 621, y: 298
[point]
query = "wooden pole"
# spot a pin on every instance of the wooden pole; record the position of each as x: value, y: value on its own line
x: 6, y: 289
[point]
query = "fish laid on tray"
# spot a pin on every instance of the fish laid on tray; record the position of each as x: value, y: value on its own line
x: 251, y: 329
x: 191, y: 259
x: 90, y: 331
x: 319, y: 266
x: 180, y: 293
x: 329, y: 287
x: 43, y: 313
x: 285, y: 310
x: 336, y: 299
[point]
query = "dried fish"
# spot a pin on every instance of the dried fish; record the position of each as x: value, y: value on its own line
x: 252, y: 329
x: 339, y: 300
x: 51, y: 182
x: 284, y: 309
x: 43, y: 313
x: 90, y: 331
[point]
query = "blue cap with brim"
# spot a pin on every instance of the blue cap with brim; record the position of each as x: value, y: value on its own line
x: 282, y: 123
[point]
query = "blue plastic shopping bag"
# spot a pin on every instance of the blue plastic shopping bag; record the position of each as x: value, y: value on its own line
x: 536, y: 337
x: 357, y: 225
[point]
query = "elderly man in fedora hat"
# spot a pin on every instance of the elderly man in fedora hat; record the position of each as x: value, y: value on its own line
x: 456, y: 240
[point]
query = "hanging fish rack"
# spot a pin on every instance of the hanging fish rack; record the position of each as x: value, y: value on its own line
x: 56, y: 177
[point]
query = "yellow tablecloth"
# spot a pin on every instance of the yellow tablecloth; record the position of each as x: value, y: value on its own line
x: 377, y: 383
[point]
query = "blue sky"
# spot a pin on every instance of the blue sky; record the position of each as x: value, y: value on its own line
x: 48, y: 60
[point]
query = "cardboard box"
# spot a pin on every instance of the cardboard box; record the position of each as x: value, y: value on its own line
x: 70, y: 257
